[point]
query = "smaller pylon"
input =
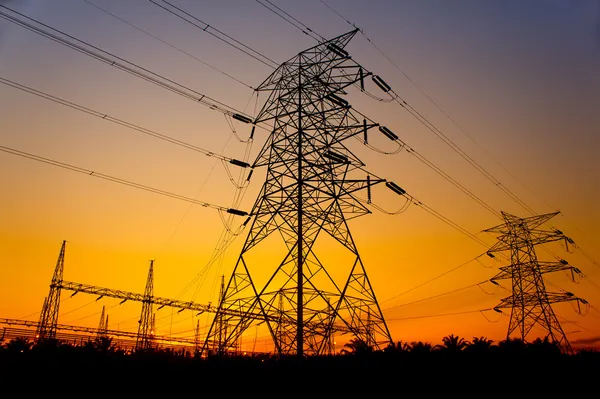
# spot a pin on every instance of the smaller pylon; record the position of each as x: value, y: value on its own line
x: 145, y: 336
x: 530, y: 302
x: 49, y: 316
x: 102, y: 325
x: 197, y: 339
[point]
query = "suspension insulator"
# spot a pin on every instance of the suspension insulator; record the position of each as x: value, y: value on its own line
x: 335, y: 157
x: 362, y: 80
x: 250, y: 174
x: 252, y: 132
x: 241, y: 118
x: 395, y: 188
x: 237, y: 212
x: 365, y: 130
x: 368, y: 189
x: 337, y: 100
x: 491, y: 255
x: 381, y: 83
x: 247, y: 220
x: 241, y: 164
x: 340, y: 52
x: 391, y: 135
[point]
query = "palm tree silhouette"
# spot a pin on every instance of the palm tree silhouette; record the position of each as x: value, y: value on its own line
x: 356, y: 346
x: 452, y: 343
x: 419, y: 347
x: 479, y: 345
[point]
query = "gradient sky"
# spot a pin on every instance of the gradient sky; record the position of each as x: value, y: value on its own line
x: 520, y: 78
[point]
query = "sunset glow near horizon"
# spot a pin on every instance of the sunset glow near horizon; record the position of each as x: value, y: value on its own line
x: 519, y: 78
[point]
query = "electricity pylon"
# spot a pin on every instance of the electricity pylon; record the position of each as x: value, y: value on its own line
x: 145, y: 336
x: 49, y: 316
x: 530, y: 302
x: 308, y: 193
x: 102, y: 325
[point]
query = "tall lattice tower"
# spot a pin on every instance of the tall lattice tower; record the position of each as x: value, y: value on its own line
x: 309, y: 192
x: 49, y: 316
x: 102, y: 332
x: 530, y: 302
x: 145, y: 335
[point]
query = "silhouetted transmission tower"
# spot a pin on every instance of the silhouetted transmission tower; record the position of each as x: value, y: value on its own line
x: 308, y: 193
x: 145, y: 335
x: 530, y: 302
x: 49, y: 316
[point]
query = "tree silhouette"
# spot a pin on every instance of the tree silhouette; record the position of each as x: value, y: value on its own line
x: 452, y: 343
x: 419, y: 347
x: 512, y: 346
x: 544, y: 347
x: 479, y: 345
x: 356, y: 346
x: 18, y: 345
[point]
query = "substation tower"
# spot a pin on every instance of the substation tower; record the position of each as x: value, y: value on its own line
x: 530, y: 302
x: 309, y: 192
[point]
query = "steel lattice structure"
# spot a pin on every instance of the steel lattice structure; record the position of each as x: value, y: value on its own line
x: 530, y: 302
x: 145, y: 336
x: 309, y: 192
x: 49, y: 316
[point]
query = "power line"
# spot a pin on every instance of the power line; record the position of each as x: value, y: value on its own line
x: 167, y: 43
x: 435, y: 213
x: 436, y: 296
x: 118, y: 62
x: 438, y: 133
x: 184, y: 15
x: 118, y: 180
x: 440, y: 315
x: 432, y: 279
x: 439, y: 171
x: 121, y: 122
x: 410, y: 150
x: 460, y: 152
x: 290, y: 19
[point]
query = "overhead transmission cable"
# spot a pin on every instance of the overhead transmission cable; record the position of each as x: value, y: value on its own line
x: 438, y: 132
x: 292, y: 21
x: 439, y: 315
x: 436, y: 296
x: 118, y: 180
x: 427, y: 163
x: 118, y: 62
x: 120, y: 122
x: 211, y: 30
x: 168, y: 44
x: 417, y: 115
x: 392, y: 136
x: 227, y: 235
x: 433, y: 279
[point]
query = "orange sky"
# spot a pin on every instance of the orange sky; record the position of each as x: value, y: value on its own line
x: 523, y: 88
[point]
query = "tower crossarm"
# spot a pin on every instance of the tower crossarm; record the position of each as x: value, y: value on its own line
x: 532, y: 299
x: 533, y: 237
x: 132, y: 296
x: 512, y: 221
x: 506, y: 272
